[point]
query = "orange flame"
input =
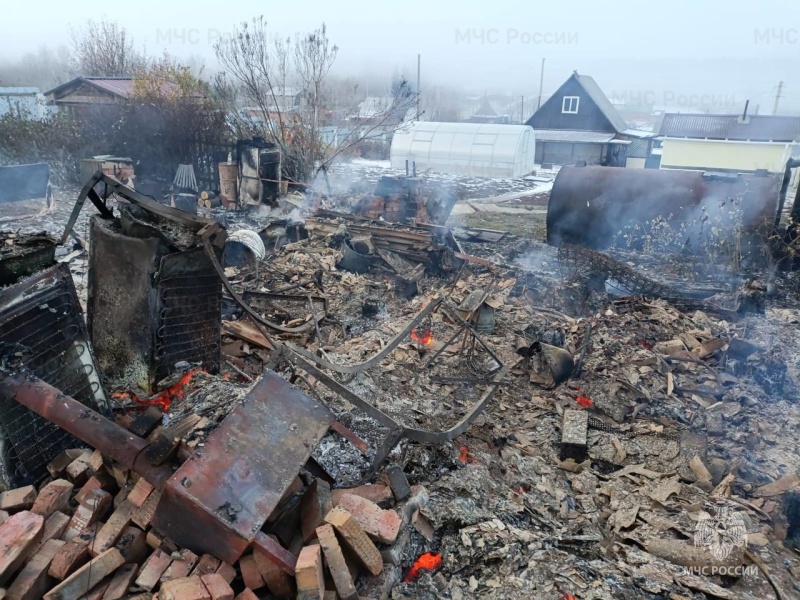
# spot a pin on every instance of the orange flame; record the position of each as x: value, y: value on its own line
x: 423, y: 336
x: 430, y: 561
x: 165, y: 397
x: 584, y: 401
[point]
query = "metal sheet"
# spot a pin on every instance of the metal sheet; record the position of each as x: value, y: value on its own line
x: 220, y: 498
x: 608, y: 199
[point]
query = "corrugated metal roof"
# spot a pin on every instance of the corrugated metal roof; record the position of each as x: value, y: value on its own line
x: 758, y: 128
x: 573, y: 136
x: 121, y: 86
x: 602, y: 102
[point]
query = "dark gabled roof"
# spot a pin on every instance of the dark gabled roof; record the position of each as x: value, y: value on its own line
x: 117, y: 86
x: 757, y: 128
x: 602, y: 102
x: 596, y: 95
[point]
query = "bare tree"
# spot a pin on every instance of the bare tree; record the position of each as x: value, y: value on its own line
x: 45, y: 68
x: 262, y: 66
x: 104, y: 48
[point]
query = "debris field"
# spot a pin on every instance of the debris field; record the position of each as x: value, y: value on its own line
x: 381, y: 406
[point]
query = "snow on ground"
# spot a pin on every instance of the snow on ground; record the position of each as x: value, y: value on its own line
x: 358, y: 177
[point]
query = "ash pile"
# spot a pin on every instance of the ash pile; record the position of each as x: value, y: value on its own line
x: 370, y: 404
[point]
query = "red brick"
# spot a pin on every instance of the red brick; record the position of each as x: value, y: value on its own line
x: 132, y: 545
x: 19, y: 535
x: 334, y: 558
x: 228, y: 572
x: 18, y: 499
x: 184, y: 588
x: 217, y: 586
x: 152, y: 570
x: 140, y: 492
x: 250, y: 573
x: 355, y: 539
x: 87, y: 577
x: 54, y: 528
x: 379, y: 524
x: 207, y: 564
x: 180, y: 567
x: 110, y: 532
x: 71, y: 556
x: 379, y: 494
x: 59, y: 464
x: 308, y: 574
x: 94, y: 507
x: 144, y: 514
x: 53, y: 497
x: 246, y: 595
x: 33, y: 581
x: 278, y: 582
x: 120, y: 582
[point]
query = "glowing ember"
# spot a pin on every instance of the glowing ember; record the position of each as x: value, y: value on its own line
x: 429, y: 561
x: 463, y: 455
x: 422, y: 336
x: 165, y: 397
x: 584, y: 401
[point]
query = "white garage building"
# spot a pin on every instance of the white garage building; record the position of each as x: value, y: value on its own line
x: 472, y: 149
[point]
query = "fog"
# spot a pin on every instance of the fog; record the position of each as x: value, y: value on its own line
x: 714, y: 52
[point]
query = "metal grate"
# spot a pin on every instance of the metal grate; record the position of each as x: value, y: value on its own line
x: 48, y: 323
x: 188, y: 323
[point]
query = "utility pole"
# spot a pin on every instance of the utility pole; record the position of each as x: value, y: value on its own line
x: 777, y: 98
x: 541, y: 83
x: 419, y: 62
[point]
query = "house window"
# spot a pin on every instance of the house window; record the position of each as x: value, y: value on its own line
x: 569, y: 105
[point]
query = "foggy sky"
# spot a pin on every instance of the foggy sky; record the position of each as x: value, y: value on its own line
x: 718, y: 49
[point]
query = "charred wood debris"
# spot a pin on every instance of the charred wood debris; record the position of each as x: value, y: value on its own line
x: 351, y: 400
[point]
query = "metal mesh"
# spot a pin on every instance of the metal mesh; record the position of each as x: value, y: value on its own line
x: 588, y: 261
x: 188, y: 323
x: 48, y: 325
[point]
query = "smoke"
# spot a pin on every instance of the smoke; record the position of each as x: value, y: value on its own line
x: 539, y: 258
x: 690, y: 212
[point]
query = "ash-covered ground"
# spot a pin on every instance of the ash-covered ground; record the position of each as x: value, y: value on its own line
x: 692, y: 416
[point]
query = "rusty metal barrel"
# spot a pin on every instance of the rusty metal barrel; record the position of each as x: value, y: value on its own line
x: 592, y: 206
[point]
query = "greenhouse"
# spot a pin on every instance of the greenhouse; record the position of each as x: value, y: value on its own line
x: 472, y: 149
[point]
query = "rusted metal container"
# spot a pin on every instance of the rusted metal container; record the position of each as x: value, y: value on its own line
x: 150, y: 306
x: 591, y: 206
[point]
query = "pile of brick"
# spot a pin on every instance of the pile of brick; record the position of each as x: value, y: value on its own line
x: 86, y: 534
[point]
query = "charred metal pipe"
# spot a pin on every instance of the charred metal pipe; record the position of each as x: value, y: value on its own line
x: 85, y: 424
